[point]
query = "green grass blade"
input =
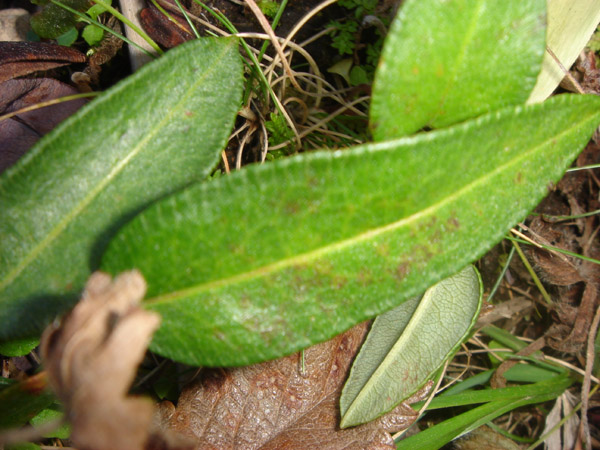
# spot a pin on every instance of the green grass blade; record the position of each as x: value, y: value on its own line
x: 490, y: 395
x: 442, y: 433
x: 152, y: 134
x: 445, y: 62
x: 277, y: 257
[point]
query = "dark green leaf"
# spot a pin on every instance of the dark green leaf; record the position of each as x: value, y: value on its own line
x: 444, y: 62
x: 22, y: 401
x: 68, y: 38
x: 54, y: 21
x: 277, y: 257
x: 156, y: 132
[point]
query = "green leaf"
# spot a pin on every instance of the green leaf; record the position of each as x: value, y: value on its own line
x: 19, y: 347
x: 23, y: 446
x: 22, y: 401
x: 570, y: 26
x: 444, y: 62
x: 92, y: 34
x: 408, y: 344
x: 67, y: 39
x: 437, y: 436
x: 54, y: 21
x: 152, y: 134
x: 96, y: 10
x: 276, y: 257
x: 52, y: 414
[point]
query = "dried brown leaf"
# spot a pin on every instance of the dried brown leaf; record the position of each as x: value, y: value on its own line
x: 20, y: 132
x: 91, y: 360
x: 164, y: 31
x: 277, y: 405
x: 21, y: 58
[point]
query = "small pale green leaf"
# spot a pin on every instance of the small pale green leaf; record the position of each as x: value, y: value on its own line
x: 407, y: 345
x: 570, y: 26
x: 276, y: 257
x: 92, y: 34
x: 154, y: 133
x: 444, y: 62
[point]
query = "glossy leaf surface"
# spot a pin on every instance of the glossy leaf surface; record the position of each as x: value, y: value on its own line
x: 444, y: 62
x: 276, y: 257
x: 148, y: 136
x: 408, y: 344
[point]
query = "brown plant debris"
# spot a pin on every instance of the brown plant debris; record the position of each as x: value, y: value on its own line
x: 91, y: 360
x: 22, y: 58
x: 20, y: 132
x: 280, y: 405
x: 575, y: 282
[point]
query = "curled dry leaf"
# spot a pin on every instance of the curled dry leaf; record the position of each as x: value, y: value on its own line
x: 162, y: 30
x: 20, y: 132
x: 575, y: 282
x: 22, y: 58
x: 91, y: 360
x: 280, y: 405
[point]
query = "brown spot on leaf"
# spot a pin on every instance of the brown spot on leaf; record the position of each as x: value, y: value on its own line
x: 402, y: 271
x: 453, y: 223
x: 519, y: 178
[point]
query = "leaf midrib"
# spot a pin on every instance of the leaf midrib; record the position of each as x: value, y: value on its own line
x: 71, y: 216
x: 307, y: 257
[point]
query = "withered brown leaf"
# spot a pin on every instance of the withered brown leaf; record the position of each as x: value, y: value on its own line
x: 22, y: 58
x: 279, y: 405
x: 20, y: 132
x: 91, y: 360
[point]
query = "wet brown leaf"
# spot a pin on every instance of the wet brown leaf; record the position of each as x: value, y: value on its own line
x: 91, y: 360
x: 19, y: 133
x: 22, y: 58
x: 276, y: 405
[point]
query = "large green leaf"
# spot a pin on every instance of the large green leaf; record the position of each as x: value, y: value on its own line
x: 277, y: 257
x: 444, y: 62
x: 155, y: 132
x: 408, y: 344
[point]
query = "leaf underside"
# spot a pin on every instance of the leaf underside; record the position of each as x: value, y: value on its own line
x: 150, y: 135
x: 277, y: 257
x: 408, y: 344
